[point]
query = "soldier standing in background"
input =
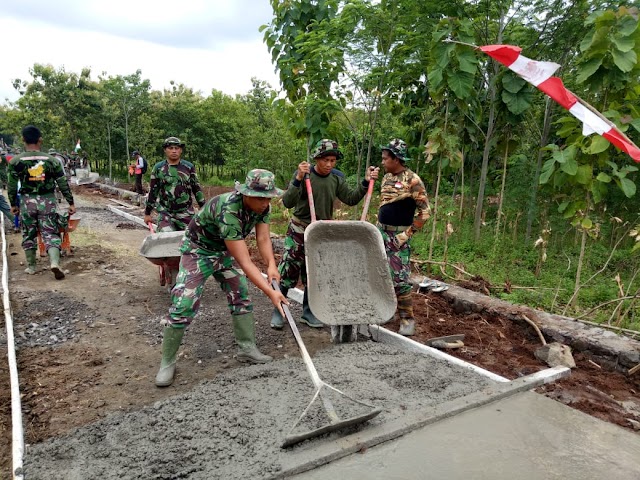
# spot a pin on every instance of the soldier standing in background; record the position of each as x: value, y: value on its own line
x: 38, y: 174
x: 173, y: 183
x: 327, y: 184
x: 404, y: 209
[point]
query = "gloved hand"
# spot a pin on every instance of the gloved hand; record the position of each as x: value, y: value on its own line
x: 400, y: 239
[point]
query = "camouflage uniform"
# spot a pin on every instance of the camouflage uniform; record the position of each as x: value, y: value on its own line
x: 38, y: 174
x: 170, y: 191
x: 3, y: 171
x: 404, y: 209
x: 204, y: 253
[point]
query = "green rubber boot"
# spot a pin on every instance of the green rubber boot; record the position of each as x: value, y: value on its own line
x: 171, y: 339
x: 244, y: 329
x: 307, y: 315
x: 54, y: 258
x: 405, y: 310
x: 31, y: 261
x: 277, y: 320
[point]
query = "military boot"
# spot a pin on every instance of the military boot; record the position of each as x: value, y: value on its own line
x: 244, y: 329
x: 405, y: 310
x: 54, y: 258
x: 277, y: 320
x: 31, y: 261
x: 307, y: 315
x: 171, y: 339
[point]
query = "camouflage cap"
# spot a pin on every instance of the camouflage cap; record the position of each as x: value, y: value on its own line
x: 172, y: 141
x: 326, y: 147
x: 259, y: 183
x: 398, y: 148
x: 52, y: 151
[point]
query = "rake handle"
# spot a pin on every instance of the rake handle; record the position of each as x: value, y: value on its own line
x: 303, y: 350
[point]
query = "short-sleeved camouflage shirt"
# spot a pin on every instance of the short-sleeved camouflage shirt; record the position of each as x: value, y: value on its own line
x: 222, y: 218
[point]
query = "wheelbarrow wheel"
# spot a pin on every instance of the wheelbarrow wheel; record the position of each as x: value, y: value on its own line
x: 343, y: 333
x: 163, y: 279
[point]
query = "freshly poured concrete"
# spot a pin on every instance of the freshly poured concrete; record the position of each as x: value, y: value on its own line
x: 233, y: 427
x: 346, y: 262
x: 525, y: 436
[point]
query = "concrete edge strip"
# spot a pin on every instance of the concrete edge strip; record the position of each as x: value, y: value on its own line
x: 380, y: 334
x: 323, y: 453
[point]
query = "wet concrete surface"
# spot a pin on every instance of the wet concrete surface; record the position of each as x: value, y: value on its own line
x: 526, y: 436
x: 233, y: 426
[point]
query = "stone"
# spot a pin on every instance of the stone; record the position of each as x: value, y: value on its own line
x: 555, y: 355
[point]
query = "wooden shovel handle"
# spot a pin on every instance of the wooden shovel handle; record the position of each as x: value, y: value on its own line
x: 312, y: 206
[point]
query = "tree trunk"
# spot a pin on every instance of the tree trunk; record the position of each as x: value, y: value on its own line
x: 477, y: 221
x: 502, y: 188
x: 544, y: 138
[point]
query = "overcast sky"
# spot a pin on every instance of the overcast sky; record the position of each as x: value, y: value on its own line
x: 205, y: 44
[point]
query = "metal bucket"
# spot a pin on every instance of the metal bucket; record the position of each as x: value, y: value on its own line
x: 348, y: 277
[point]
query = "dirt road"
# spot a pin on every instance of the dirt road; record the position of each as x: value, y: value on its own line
x: 89, y: 345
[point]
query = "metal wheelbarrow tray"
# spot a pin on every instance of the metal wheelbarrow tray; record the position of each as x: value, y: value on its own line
x: 348, y: 273
x: 163, y: 249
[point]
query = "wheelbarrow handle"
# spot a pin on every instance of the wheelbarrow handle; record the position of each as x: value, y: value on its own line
x: 367, y: 200
x: 312, y: 206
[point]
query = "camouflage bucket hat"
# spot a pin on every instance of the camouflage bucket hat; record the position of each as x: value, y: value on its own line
x: 172, y: 141
x: 259, y: 183
x: 326, y: 147
x: 52, y: 151
x: 398, y: 148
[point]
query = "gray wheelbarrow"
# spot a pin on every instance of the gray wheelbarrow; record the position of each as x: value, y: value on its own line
x: 163, y: 249
x: 347, y: 273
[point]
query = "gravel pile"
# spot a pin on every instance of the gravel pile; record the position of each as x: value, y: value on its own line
x: 48, y: 321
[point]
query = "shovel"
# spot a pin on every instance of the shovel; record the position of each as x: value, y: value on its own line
x: 448, y: 341
x: 335, y: 422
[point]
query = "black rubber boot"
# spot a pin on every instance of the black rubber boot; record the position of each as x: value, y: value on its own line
x: 307, y: 315
x: 277, y: 320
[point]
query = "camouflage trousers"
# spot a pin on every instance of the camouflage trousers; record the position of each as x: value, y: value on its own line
x: 172, y: 222
x: 195, y: 268
x: 38, y: 212
x: 400, y: 269
x: 292, y: 266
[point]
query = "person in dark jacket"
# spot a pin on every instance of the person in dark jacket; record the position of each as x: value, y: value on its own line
x: 327, y: 185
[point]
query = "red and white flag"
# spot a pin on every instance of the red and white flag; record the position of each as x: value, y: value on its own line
x: 540, y: 74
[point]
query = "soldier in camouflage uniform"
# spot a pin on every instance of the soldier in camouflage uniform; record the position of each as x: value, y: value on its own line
x: 327, y: 184
x: 404, y: 209
x: 173, y: 182
x: 213, y: 240
x: 38, y: 174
